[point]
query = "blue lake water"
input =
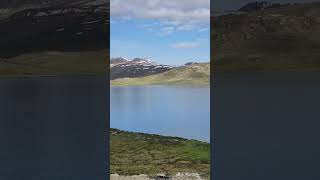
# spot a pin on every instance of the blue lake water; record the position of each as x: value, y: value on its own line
x: 266, y: 126
x: 52, y: 128
x: 165, y: 110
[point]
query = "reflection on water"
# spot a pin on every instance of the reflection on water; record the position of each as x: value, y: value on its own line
x: 267, y: 126
x: 52, y: 128
x: 166, y: 110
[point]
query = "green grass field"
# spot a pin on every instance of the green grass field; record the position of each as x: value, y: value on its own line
x: 197, y: 74
x: 56, y: 63
x: 138, y: 153
x: 277, y: 52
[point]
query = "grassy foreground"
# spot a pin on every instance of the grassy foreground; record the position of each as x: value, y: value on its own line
x: 197, y: 74
x: 138, y: 153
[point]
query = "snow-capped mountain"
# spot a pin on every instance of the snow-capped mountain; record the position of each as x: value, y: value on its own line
x: 41, y: 25
x: 137, y: 67
x: 118, y: 60
x: 190, y: 63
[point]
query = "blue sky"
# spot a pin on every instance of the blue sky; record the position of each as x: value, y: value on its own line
x: 167, y: 31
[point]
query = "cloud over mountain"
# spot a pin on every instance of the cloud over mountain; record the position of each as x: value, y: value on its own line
x: 181, y: 12
x: 183, y: 45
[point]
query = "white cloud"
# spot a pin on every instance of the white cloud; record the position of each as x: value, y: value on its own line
x: 187, y: 27
x: 150, y: 25
x: 184, y: 45
x: 203, y: 29
x: 174, y: 11
x: 191, y: 44
x: 150, y: 29
x: 164, y: 31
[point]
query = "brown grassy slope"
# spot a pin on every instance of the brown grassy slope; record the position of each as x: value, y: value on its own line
x: 56, y: 63
x: 197, y: 74
x: 278, y: 39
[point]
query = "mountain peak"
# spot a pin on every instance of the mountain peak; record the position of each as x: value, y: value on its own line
x: 137, y: 67
x: 253, y: 6
x: 121, y: 60
x: 190, y: 63
x: 118, y: 60
x: 260, y: 5
x: 142, y: 60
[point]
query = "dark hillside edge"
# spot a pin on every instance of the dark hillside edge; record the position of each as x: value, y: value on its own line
x: 54, y: 37
x: 76, y: 26
x: 256, y: 6
x: 274, y: 38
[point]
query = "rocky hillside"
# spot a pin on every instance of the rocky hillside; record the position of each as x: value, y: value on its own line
x: 56, y: 37
x: 194, y: 74
x: 284, y: 37
x: 138, y: 67
x: 28, y: 26
x: 260, y: 5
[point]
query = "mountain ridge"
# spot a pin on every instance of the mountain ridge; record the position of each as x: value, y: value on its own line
x: 137, y: 67
x: 76, y: 25
x: 261, y: 5
x: 193, y: 74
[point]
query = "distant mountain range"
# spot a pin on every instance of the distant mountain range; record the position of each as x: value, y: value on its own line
x: 260, y: 5
x: 138, y: 67
x: 30, y: 26
x: 54, y: 37
x: 267, y: 38
x: 189, y: 74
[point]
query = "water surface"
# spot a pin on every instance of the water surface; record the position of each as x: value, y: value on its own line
x: 165, y: 110
x: 266, y: 126
x: 53, y: 128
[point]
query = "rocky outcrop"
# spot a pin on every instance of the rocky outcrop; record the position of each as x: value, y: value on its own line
x: 138, y: 67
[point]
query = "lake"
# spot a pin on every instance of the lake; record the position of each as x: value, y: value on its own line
x: 53, y: 128
x: 166, y: 110
x: 266, y: 126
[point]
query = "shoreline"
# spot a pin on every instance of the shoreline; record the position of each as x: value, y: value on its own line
x: 141, y: 82
x: 159, y: 135
x: 171, y: 85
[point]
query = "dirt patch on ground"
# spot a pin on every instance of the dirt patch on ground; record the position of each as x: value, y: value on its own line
x: 178, y: 176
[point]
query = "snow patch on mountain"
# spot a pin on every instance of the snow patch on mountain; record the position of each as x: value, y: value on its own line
x: 137, y: 67
x: 135, y: 61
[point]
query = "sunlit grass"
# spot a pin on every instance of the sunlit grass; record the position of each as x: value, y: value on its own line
x: 198, y: 74
x: 137, y: 153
